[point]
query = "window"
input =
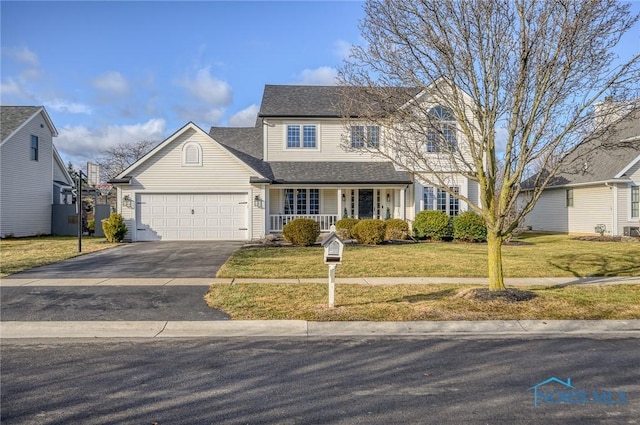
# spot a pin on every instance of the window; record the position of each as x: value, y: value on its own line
x: 308, y: 133
x: 569, y: 196
x: 191, y: 154
x: 635, y: 202
x: 440, y: 200
x: 34, y: 148
x: 362, y: 136
x: 307, y: 201
x: 441, y: 135
x: 454, y: 203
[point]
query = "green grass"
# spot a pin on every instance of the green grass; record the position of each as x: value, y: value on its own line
x: 18, y: 254
x: 532, y: 255
x: 420, y: 302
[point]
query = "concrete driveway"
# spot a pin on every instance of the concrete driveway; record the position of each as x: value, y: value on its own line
x: 193, y: 259
x: 67, y: 291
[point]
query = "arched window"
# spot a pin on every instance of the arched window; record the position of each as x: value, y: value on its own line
x: 191, y: 155
x: 441, y: 134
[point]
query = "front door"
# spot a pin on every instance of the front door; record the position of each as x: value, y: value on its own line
x: 365, y: 203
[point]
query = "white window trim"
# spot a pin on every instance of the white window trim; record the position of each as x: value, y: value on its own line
x: 631, y: 218
x: 434, y: 206
x: 184, y: 155
x: 308, y: 200
x: 301, y: 125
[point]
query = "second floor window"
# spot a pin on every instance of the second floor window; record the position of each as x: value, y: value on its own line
x: 34, y: 148
x: 441, y: 135
x: 362, y: 136
x: 301, y: 136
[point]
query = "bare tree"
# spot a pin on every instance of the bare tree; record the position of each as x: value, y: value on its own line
x: 115, y: 159
x: 442, y: 76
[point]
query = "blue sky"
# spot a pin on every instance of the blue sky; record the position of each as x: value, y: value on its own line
x: 111, y: 72
x: 123, y: 71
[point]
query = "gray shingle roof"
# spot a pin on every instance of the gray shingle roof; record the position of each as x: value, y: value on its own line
x: 338, y: 173
x: 12, y: 117
x: 246, y: 144
x: 602, y: 159
x: 326, y: 101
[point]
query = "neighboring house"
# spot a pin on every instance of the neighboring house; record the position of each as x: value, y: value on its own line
x: 596, y: 191
x: 244, y: 183
x: 32, y: 174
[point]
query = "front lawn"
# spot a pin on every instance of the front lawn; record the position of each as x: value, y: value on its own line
x: 420, y: 302
x: 531, y: 255
x: 18, y: 254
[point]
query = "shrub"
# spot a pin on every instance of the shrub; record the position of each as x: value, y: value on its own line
x: 301, y: 231
x: 91, y: 225
x: 345, y: 226
x: 435, y: 225
x: 114, y: 228
x: 396, y: 229
x: 369, y: 231
x: 469, y: 227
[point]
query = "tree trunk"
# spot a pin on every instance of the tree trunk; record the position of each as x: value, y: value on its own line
x: 494, y: 247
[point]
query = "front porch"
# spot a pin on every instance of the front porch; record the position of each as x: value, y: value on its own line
x: 328, y: 205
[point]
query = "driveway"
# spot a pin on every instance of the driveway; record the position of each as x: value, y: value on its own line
x: 193, y: 259
x: 41, y: 301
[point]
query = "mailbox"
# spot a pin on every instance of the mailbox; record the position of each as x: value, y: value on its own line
x: 333, y: 246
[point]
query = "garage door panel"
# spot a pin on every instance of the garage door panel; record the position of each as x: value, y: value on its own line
x: 207, y: 216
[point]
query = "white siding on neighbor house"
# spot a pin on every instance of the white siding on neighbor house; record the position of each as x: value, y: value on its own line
x: 27, y: 186
x: 624, y: 200
x: 329, y: 134
x: 550, y: 212
x: 592, y: 206
x: 220, y: 172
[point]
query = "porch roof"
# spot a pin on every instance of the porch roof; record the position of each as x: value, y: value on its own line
x: 376, y: 173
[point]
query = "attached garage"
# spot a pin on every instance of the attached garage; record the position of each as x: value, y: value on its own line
x: 192, y: 216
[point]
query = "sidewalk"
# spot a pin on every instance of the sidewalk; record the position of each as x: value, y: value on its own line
x: 304, y: 329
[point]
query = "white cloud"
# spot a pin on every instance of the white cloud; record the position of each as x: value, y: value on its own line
x: 68, y: 107
x: 245, y: 118
x: 342, y: 49
x: 25, y: 56
x: 322, y: 76
x: 80, y: 144
x: 207, y: 88
x: 111, y: 82
x: 10, y: 87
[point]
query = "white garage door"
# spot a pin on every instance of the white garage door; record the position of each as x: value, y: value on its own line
x: 192, y: 216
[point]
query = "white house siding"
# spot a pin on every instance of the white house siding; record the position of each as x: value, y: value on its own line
x: 258, y: 212
x: 624, y: 200
x: 550, y: 212
x: 329, y: 134
x: 220, y: 173
x: 26, y: 185
x: 592, y: 206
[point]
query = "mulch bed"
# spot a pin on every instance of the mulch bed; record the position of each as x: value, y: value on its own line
x: 511, y: 295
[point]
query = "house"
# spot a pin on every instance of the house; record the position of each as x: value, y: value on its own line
x: 32, y: 174
x: 598, y: 188
x: 244, y: 183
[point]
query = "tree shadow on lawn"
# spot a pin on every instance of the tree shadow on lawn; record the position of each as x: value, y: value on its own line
x: 601, y: 265
x: 414, y: 298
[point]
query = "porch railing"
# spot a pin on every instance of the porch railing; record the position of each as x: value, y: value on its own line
x: 279, y: 220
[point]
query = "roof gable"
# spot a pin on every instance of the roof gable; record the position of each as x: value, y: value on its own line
x: 13, y: 118
x: 169, y: 140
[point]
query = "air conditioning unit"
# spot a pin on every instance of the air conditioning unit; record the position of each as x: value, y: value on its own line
x: 631, y: 231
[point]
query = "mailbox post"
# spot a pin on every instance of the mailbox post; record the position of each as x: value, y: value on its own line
x: 333, y: 247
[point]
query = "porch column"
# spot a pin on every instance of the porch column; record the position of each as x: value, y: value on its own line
x: 403, y: 208
x: 267, y: 209
x: 339, y: 215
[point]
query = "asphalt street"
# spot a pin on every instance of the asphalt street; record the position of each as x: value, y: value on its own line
x: 318, y: 381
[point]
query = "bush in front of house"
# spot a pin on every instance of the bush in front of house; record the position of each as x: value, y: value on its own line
x: 301, y: 231
x: 396, y: 229
x: 114, y: 228
x: 435, y: 225
x: 369, y: 232
x: 469, y: 227
x: 344, y: 227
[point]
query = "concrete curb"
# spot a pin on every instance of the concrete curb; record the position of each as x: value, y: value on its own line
x: 301, y: 328
x: 542, y: 281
